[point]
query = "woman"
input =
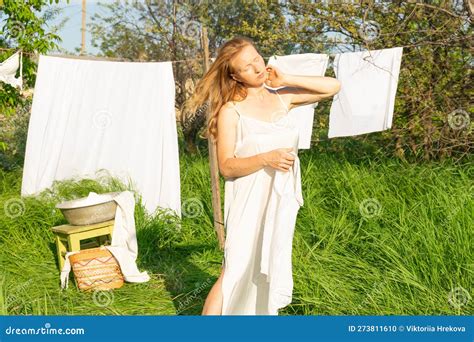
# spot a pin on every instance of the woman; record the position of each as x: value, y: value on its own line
x: 257, y: 145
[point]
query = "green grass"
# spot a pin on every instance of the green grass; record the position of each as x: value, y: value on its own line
x: 405, y: 257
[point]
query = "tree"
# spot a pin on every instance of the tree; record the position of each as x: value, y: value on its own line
x: 432, y: 110
x: 23, y: 28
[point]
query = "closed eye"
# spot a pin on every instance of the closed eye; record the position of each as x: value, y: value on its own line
x: 255, y: 59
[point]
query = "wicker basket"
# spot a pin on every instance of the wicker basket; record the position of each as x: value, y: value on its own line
x: 96, y: 269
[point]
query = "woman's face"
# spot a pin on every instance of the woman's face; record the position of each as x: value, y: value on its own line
x: 249, y: 67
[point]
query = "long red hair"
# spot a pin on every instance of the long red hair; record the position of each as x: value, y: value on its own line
x: 217, y: 87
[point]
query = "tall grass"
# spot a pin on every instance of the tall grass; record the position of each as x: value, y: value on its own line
x: 30, y: 274
x: 375, y: 236
x: 384, y: 238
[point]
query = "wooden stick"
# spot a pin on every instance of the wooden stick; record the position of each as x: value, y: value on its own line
x: 83, y: 29
x: 216, y: 196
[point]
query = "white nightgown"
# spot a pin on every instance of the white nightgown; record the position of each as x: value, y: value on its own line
x: 260, y: 215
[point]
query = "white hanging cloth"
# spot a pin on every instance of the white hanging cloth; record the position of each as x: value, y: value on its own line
x: 9, y: 67
x: 305, y: 64
x: 90, y: 115
x: 366, y: 99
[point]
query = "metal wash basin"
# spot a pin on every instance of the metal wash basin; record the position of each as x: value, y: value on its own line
x: 94, y: 208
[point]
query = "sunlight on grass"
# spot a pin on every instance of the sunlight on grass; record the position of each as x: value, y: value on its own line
x: 374, y: 237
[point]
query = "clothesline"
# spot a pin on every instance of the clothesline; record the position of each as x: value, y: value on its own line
x: 194, y: 59
x: 92, y: 57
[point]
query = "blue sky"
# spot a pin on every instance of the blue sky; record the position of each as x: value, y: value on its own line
x: 71, y: 32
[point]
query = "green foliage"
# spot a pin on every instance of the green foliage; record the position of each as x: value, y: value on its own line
x: 432, y: 108
x: 376, y: 236
x: 23, y: 28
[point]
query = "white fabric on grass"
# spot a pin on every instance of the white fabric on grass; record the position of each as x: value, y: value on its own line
x: 124, y: 245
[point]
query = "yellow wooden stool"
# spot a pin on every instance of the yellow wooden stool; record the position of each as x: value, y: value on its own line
x: 69, y: 237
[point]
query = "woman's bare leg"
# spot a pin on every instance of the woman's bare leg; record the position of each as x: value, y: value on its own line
x: 213, y: 303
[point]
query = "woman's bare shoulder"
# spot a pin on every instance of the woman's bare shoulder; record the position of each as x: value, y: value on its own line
x: 228, y: 112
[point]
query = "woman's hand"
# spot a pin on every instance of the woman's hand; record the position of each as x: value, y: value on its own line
x: 275, y: 78
x: 279, y: 159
